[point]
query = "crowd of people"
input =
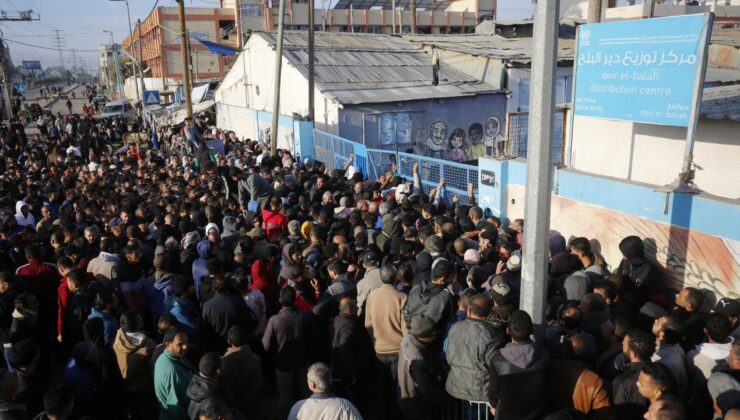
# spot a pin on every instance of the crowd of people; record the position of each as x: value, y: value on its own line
x: 167, y: 281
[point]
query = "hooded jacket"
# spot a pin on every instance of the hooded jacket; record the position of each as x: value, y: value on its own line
x: 705, y: 356
x: 200, y: 269
x: 432, y: 300
x: 515, y: 367
x: 133, y: 353
x: 105, y: 268
x: 202, y: 389
x: 471, y: 345
x: 288, y: 264
x: 263, y: 275
x: 158, y: 289
x: 390, y: 230
x: 22, y: 220
x: 274, y: 223
x: 645, y: 276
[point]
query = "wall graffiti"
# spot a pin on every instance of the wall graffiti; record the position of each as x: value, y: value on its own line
x: 459, y: 144
x: 687, y: 257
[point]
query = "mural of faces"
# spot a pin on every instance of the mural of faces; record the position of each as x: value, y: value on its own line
x: 475, y: 133
x: 493, y: 127
x: 457, y: 138
x: 439, y: 132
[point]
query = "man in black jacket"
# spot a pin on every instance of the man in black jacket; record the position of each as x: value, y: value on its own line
x: 242, y: 372
x: 221, y: 312
x: 206, y: 386
x: 433, y: 299
x: 291, y: 337
x: 520, y: 365
x: 352, y: 353
x: 639, y: 347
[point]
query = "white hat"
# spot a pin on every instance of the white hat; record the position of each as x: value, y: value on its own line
x: 514, y: 263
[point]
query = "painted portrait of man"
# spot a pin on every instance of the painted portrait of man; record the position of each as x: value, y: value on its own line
x: 437, y: 141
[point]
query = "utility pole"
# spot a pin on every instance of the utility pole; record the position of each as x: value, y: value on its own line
x: 311, y: 67
x: 59, y: 43
x: 5, y: 72
x: 278, y: 78
x: 117, y: 63
x: 185, y: 59
x: 412, y: 9
x: 393, y: 16
x: 539, y: 160
x: 594, y: 11
x: 141, y: 63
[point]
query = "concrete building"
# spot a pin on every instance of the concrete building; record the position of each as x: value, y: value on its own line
x: 372, y: 89
x: 160, y: 43
x: 107, y: 65
x: 367, y: 16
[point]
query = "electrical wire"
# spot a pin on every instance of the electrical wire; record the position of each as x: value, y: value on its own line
x: 47, y: 48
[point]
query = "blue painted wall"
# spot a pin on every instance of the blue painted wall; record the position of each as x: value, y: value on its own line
x: 705, y: 214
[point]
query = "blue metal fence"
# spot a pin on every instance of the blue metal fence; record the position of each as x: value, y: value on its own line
x: 334, y: 151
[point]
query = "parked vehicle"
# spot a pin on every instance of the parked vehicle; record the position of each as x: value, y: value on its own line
x: 122, y: 108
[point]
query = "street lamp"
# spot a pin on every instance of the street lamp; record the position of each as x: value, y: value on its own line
x: 131, y: 38
x: 117, y: 66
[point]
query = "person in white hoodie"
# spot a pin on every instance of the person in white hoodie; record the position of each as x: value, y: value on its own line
x: 22, y: 215
x: 705, y: 356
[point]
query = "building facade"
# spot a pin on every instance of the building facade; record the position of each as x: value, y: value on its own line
x: 367, y: 16
x: 107, y: 65
x: 159, y: 35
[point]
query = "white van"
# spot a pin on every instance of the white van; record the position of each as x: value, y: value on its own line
x: 122, y: 108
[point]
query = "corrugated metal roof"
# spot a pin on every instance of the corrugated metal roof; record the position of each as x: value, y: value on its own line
x: 517, y: 50
x: 365, y: 68
x: 722, y: 102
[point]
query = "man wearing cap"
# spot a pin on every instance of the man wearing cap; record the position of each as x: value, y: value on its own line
x: 369, y: 282
x: 731, y: 309
x: 118, y: 229
x: 421, y: 374
x: 471, y: 346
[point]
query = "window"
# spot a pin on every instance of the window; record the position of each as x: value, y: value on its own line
x: 112, y: 109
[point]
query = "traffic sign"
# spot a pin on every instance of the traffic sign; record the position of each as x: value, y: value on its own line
x: 151, y: 97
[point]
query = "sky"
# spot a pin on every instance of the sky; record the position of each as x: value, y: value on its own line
x: 82, y: 23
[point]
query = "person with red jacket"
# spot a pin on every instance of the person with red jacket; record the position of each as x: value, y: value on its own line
x: 42, y: 280
x: 273, y: 221
x: 265, y: 277
x: 65, y: 265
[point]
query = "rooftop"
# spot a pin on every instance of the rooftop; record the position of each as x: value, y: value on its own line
x: 515, y: 50
x: 369, y: 68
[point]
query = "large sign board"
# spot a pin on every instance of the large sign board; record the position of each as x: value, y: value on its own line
x: 31, y: 65
x: 640, y: 70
